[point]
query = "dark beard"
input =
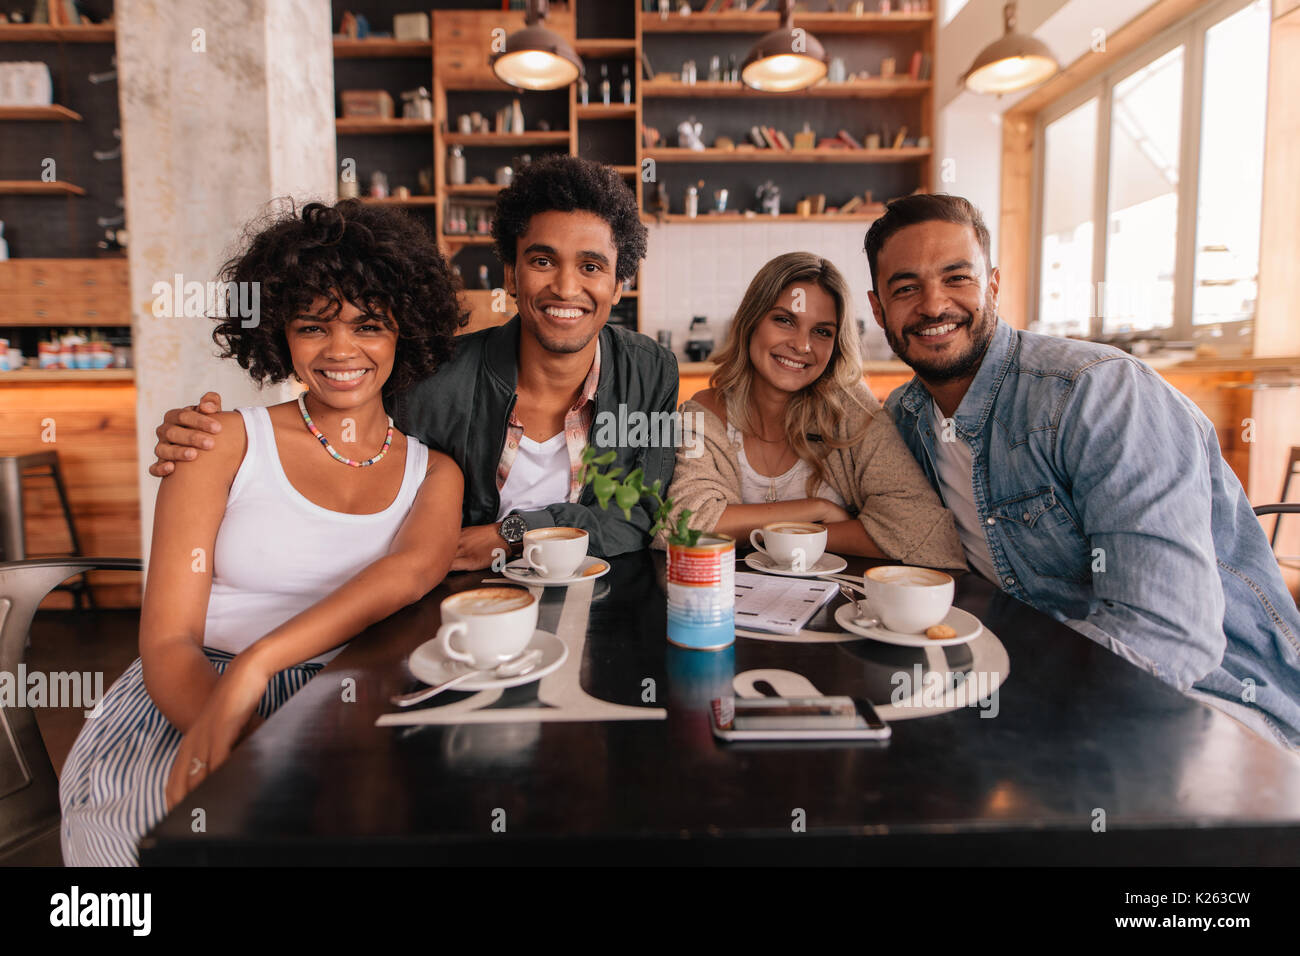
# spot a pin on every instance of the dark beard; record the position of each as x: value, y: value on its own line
x: 943, y: 371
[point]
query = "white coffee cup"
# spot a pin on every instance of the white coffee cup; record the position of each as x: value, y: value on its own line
x: 492, y: 625
x: 796, y: 545
x: 555, y: 552
x: 908, y: 599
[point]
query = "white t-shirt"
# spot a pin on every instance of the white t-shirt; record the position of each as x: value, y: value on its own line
x: 538, y: 477
x: 956, y: 471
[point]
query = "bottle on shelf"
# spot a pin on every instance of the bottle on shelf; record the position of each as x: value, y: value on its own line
x: 483, y: 282
x: 627, y: 86
x: 604, y: 83
x: 584, y: 91
x: 456, y: 167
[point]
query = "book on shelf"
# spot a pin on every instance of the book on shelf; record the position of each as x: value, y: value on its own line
x: 898, y: 140
x: 914, y: 68
x: 782, y: 140
x: 848, y: 140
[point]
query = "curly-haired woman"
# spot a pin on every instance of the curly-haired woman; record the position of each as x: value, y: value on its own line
x: 789, y: 431
x: 307, y: 521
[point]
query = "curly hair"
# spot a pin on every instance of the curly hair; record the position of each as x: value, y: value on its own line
x: 379, y: 259
x: 567, y: 184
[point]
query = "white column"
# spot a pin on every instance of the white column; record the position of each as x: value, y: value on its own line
x: 227, y: 106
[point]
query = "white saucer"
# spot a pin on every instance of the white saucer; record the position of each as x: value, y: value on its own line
x: 428, y: 664
x: 826, y: 564
x: 590, y: 569
x: 967, y: 626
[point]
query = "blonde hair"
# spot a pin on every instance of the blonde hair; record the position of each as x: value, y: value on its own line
x: 817, y: 409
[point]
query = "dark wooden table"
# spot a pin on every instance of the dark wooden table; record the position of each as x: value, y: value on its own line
x: 1088, y: 760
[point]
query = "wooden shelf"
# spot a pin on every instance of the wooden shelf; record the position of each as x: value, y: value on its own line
x: 394, y: 201
x: 599, y: 111
x: 381, y: 48
x: 45, y: 113
x: 28, y: 375
x: 872, y: 213
x: 539, y: 138
x: 467, y: 239
x: 677, y: 155
x: 351, y: 126
x: 25, y: 187
x: 626, y: 170
x: 765, y: 21
x: 473, y: 189
x: 605, y: 47
x: 856, y: 89
x: 44, y: 33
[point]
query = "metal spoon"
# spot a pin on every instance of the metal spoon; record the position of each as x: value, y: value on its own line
x: 513, y: 668
x: 861, y: 620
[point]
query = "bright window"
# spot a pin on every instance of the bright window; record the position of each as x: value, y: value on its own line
x: 1167, y: 150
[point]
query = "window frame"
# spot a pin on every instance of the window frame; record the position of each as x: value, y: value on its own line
x: 1190, y: 34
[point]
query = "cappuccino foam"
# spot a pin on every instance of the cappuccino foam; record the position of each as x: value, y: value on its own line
x: 555, y: 534
x: 908, y: 577
x: 490, y: 601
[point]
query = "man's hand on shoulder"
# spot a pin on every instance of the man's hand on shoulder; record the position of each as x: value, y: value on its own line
x: 183, y: 432
x: 478, y: 546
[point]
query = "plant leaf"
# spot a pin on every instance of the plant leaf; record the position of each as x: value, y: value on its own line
x: 603, y: 487
x: 626, y: 498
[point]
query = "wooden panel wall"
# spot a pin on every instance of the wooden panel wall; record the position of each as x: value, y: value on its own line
x: 94, y: 432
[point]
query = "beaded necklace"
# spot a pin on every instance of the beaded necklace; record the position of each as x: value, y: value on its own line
x: 302, y: 407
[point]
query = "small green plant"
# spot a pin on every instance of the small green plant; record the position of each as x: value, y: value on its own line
x: 628, y: 492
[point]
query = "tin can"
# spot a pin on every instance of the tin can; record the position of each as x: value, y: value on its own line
x: 702, y: 593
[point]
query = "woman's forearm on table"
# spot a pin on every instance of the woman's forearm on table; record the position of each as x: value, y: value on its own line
x: 850, y: 537
x: 179, y: 678
x: 375, y: 592
x: 739, y: 520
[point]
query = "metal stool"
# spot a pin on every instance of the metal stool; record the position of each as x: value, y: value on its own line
x: 13, y: 535
x: 1292, y: 469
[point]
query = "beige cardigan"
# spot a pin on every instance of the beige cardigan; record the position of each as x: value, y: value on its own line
x: 878, y: 479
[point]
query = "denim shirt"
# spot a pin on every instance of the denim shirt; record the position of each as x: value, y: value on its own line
x: 1106, y: 503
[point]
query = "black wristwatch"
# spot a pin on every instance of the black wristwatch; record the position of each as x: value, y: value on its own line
x: 513, y: 527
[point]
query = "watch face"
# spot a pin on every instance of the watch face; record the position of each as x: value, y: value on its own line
x: 513, y: 528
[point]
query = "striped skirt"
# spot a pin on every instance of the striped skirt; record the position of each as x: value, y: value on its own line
x: 112, y: 786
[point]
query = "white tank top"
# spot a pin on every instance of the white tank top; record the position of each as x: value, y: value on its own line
x: 277, y: 553
x: 791, y: 486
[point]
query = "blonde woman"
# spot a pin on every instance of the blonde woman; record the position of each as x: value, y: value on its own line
x: 789, y: 431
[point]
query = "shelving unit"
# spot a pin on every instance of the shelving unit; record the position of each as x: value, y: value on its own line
x: 36, y: 187
x: 673, y: 154
x: 382, y: 48
x: 53, y: 113
x: 352, y: 126
x: 43, y: 33
x: 734, y: 21
x: 618, y: 33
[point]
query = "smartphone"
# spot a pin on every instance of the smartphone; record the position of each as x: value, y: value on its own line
x: 796, y: 718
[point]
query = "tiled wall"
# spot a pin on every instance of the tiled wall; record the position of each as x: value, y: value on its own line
x: 704, y: 268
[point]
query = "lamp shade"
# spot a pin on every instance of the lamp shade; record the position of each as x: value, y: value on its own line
x: 536, y: 58
x: 780, y: 62
x: 1014, y: 62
